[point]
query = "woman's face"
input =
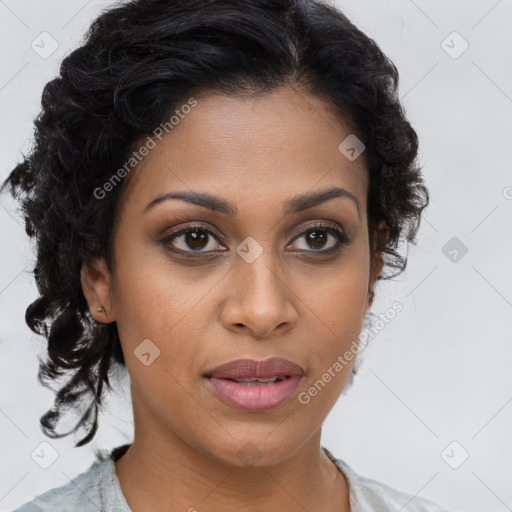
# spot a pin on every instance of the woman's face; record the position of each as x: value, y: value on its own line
x: 254, y: 281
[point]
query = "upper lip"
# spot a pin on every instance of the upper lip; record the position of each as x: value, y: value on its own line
x: 250, y: 368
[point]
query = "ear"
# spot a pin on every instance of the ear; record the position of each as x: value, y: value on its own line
x: 97, y: 287
x: 377, y: 262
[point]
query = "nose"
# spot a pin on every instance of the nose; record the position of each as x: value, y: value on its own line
x: 259, y: 301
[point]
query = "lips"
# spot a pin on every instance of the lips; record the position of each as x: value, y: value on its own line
x: 255, y: 386
x: 240, y: 369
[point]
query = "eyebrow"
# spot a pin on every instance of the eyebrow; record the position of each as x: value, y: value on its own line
x: 294, y: 205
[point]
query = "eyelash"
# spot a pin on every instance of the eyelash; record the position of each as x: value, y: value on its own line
x: 339, y: 234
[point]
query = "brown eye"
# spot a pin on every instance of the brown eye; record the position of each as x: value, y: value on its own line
x: 196, y: 239
x: 191, y: 239
x: 316, y: 239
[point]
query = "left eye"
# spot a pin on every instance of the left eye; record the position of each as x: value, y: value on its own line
x: 194, y: 239
x: 318, y: 235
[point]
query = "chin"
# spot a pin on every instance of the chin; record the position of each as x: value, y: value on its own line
x: 248, y: 451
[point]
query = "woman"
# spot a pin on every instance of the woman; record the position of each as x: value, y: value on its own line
x: 215, y: 189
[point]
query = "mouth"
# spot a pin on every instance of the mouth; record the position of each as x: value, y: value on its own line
x: 251, y: 370
x: 255, y: 386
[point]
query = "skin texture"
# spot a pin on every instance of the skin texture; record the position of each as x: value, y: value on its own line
x: 290, y: 302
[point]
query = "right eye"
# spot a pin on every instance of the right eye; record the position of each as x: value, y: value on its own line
x: 191, y: 240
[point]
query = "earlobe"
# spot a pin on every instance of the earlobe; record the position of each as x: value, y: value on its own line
x: 377, y: 265
x: 96, y: 286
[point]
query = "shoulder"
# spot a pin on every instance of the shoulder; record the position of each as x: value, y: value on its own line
x: 368, y: 494
x: 81, y: 493
x: 90, y: 491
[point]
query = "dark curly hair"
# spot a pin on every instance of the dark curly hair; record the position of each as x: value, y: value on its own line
x: 140, y: 60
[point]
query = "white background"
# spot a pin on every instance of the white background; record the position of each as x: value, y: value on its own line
x: 440, y: 371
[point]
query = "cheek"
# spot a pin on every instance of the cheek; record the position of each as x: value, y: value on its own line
x: 332, y: 360
x: 152, y: 295
x: 338, y: 297
x: 336, y: 321
x: 161, y: 311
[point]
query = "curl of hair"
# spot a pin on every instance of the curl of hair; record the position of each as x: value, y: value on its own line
x: 139, y: 62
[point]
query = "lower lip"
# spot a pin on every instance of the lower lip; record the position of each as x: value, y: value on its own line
x: 254, y: 398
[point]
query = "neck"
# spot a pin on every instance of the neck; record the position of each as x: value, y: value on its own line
x: 155, y: 474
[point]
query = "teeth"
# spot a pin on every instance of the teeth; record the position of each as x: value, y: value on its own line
x: 253, y: 380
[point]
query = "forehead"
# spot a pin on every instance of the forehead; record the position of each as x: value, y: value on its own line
x: 250, y: 150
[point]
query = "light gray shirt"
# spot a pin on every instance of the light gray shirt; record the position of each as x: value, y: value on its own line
x: 98, y: 490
